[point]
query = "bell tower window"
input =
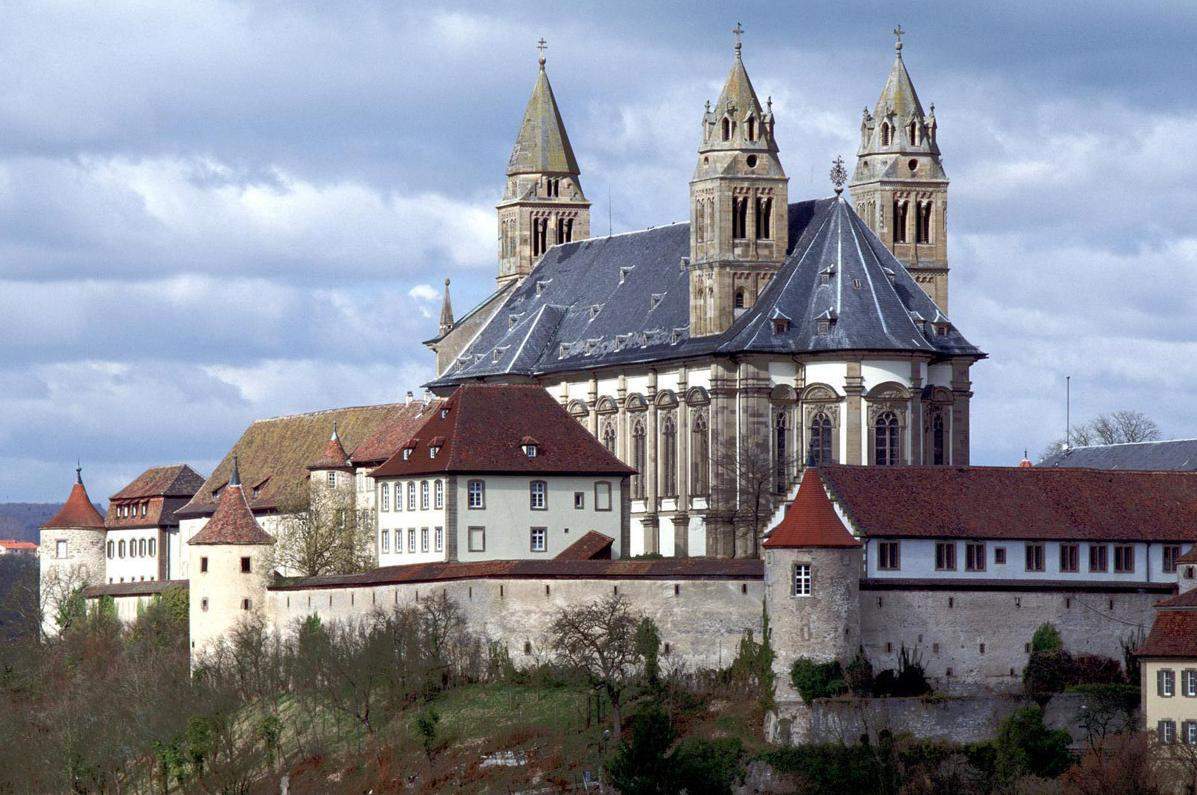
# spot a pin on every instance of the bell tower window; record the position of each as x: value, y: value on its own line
x: 922, y: 222
x: 900, y: 208
x: 565, y: 230
x: 540, y: 236
x: 739, y: 298
x: 740, y: 218
x: 911, y: 132
x: 764, y: 211
x: 751, y: 128
x: 727, y: 128
x: 885, y: 133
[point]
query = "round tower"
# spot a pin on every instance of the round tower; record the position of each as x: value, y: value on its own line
x: 71, y: 552
x: 227, y: 569
x: 812, y: 582
x: 1186, y: 570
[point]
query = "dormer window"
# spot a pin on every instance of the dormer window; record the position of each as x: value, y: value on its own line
x: 781, y: 325
x: 530, y: 448
x: 444, y: 413
x: 432, y: 451
x: 407, y: 454
x: 941, y: 329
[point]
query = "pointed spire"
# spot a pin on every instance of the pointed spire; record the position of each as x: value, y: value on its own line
x: 446, y: 312
x: 898, y: 96
x: 334, y: 455
x: 235, y: 476
x: 78, y: 510
x: 233, y: 522
x: 542, y: 145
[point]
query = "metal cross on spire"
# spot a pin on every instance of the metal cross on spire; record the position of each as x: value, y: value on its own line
x: 898, y: 32
x: 542, y: 45
x: 738, y: 32
x: 839, y: 175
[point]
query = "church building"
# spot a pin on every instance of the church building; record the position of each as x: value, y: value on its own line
x: 722, y: 356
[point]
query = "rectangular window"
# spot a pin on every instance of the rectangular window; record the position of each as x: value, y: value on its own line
x: 1035, y: 557
x: 579, y: 500
x: 1124, y: 558
x: 204, y: 604
x: 246, y: 604
x: 476, y: 494
x: 1188, y: 682
x: 384, y: 497
x: 1098, y: 557
x: 411, y: 496
x: 440, y: 539
x: 246, y: 566
x: 999, y: 556
x: 602, y: 496
x: 398, y: 496
x: 945, y: 556
x: 1171, y: 553
x: 538, y: 495
x: 1189, y: 735
x: 1070, y: 555
x: 203, y: 565
x: 386, y: 540
x: 974, y: 556
x: 1166, y: 732
x: 1165, y: 682
x: 411, y: 539
x: 423, y: 495
x: 802, y: 581
x: 439, y: 494
x: 540, y: 538
x: 332, y: 478
x: 60, y: 549
x: 423, y: 539
x: 888, y: 556
x: 477, y: 539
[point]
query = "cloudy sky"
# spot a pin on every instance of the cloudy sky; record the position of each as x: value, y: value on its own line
x: 214, y: 212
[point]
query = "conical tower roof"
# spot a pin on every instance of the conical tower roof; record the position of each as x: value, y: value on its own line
x: 446, y: 324
x: 542, y: 145
x: 334, y: 455
x: 738, y: 93
x: 898, y: 94
x: 78, y: 510
x: 233, y: 522
x: 810, y: 521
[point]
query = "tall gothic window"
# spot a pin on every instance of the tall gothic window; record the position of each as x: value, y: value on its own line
x: 608, y: 435
x: 565, y: 230
x: 911, y: 132
x: 885, y: 445
x: 780, y: 454
x: 820, y: 440
x: 937, y: 440
x: 885, y: 133
x: 638, y: 458
x: 752, y: 128
x: 700, y: 465
x: 540, y: 236
x: 710, y: 222
x: 727, y: 128
x: 740, y: 218
x: 764, y: 210
x: 922, y: 222
x: 900, y: 221
x: 669, y: 456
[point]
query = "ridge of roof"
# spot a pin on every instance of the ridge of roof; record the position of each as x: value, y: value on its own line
x: 170, y: 480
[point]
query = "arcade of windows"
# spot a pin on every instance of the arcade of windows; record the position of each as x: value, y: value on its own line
x: 435, y: 487
x: 136, y: 548
x: 922, y: 221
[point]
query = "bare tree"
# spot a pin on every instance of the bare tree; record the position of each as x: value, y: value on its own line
x: 599, y: 639
x: 1116, y: 427
x: 746, y: 481
x: 326, y: 535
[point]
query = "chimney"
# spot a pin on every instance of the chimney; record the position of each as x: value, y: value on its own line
x: 410, y: 397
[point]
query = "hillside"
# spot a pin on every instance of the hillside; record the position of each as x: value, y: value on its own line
x: 20, y: 520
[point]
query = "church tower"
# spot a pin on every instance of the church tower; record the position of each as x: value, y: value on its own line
x: 543, y: 203
x: 900, y: 188
x: 738, y: 224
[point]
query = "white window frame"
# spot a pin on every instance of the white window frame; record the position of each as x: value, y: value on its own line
x: 438, y: 494
x: 386, y: 541
x: 439, y: 539
x: 476, y: 495
x: 1166, y: 731
x: 602, y: 495
x: 1165, y: 682
x: 384, y: 498
x: 1190, y: 732
x: 481, y: 536
x: 539, y: 539
x: 1188, y: 682
x: 60, y: 549
x: 411, y: 539
x: 398, y: 496
x: 423, y: 539
x: 538, y: 495
x: 411, y: 495
x: 423, y: 495
x: 801, y: 584
x: 331, y: 477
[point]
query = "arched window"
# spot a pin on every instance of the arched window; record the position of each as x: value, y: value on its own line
x: 752, y: 128
x: 608, y: 435
x: 885, y: 445
x: 638, y: 458
x: 780, y: 453
x: 110, y: 548
x: 885, y: 133
x: 937, y: 440
x: 439, y: 495
x: 700, y: 464
x: 384, y: 493
x: 910, y: 133
x: 398, y: 496
x: 423, y: 495
x: 900, y: 221
x: 141, y: 548
x: 820, y: 440
x: 739, y: 298
x: 411, y: 496
x: 669, y: 456
x: 922, y: 222
x: 120, y: 549
x: 727, y: 127
x: 764, y: 212
x: 153, y: 547
x: 740, y: 218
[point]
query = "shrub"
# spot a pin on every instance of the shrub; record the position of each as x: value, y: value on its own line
x: 707, y: 766
x: 911, y: 679
x: 1026, y: 747
x: 1096, y: 670
x: 1048, y: 672
x: 1046, y: 638
x: 816, y: 680
x: 648, y: 646
x: 638, y: 765
x: 858, y: 676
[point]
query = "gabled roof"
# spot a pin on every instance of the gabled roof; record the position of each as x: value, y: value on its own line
x: 625, y: 299
x: 481, y: 428
x: 178, y: 480
x: 12, y: 543
x: 593, y: 545
x: 77, y: 511
x: 395, y: 429
x: 1016, y: 503
x: 275, y: 453
x: 810, y: 521
x: 542, y: 145
x: 1173, y: 635
x: 233, y: 522
x: 1174, y: 454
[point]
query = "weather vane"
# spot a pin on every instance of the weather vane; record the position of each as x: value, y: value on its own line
x: 542, y: 45
x: 839, y: 175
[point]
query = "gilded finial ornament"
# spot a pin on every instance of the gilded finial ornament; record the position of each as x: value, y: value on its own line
x: 839, y: 175
x: 542, y: 45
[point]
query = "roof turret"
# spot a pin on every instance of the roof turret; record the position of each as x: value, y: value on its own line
x: 810, y: 521
x: 233, y: 522
x: 78, y: 510
x: 333, y: 457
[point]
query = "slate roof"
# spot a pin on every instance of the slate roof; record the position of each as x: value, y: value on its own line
x: 625, y: 299
x: 482, y: 427
x: 77, y: 511
x: 1175, y: 454
x: 1016, y: 503
x: 810, y: 521
x: 662, y: 569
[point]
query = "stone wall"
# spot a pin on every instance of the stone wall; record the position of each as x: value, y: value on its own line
x: 701, y: 621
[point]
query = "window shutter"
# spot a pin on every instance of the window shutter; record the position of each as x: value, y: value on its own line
x: 1159, y: 684
x: 1160, y: 733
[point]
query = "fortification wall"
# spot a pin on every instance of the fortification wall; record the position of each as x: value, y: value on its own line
x: 701, y: 621
x: 971, y: 638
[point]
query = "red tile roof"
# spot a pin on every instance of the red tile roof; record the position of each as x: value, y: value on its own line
x: 398, y: 426
x: 77, y: 511
x: 810, y: 521
x: 12, y: 543
x: 1174, y: 634
x: 179, y: 480
x: 483, y: 426
x: 334, y: 455
x: 233, y: 522
x: 1186, y: 599
x: 1016, y: 503
x: 593, y: 545
x: 143, y: 588
x: 659, y: 569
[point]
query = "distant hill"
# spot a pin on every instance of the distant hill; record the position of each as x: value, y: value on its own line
x: 20, y: 520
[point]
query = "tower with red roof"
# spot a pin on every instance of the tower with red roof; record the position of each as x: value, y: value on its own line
x: 71, y: 551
